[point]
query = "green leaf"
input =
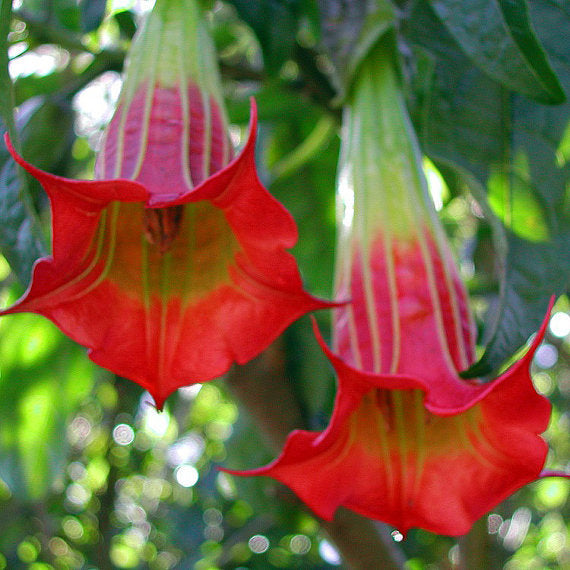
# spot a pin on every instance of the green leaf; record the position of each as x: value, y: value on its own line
x: 275, y: 24
x: 68, y: 14
x: 127, y: 24
x: 274, y: 103
x: 350, y: 29
x: 46, y: 131
x: 535, y: 272
x: 515, y: 150
x: 18, y: 241
x: 513, y: 199
x: 20, y: 236
x: 92, y: 14
x: 308, y: 192
x: 497, y: 35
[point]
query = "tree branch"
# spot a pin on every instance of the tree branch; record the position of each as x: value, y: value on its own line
x: 475, y: 548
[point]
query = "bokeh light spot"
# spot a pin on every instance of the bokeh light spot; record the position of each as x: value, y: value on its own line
x: 397, y: 536
x: 77, y: 495
x: 543, y: 383
x: 186, y: 450
x: 546, y: 356
x: 552, y: 493
x: 4, y: 268
x: 79, y: 430
x: 58, y: 546
x: 258, y: 544
x: 213, y: 532
x: 189, y: 392
x: 517, y: 529
x: 212, y: 516
x: 123, y: 434
x: 123, y: 556
x: 27, y: 552
x: 329, y: 553
x: 494, y: 523
x: 300, y: 544
x: 186, y: 475
x: 560, y: 324
x: 72, y: 528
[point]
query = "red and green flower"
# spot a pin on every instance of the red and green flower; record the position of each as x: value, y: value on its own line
x: 172, y: 263
x: 410, y: 442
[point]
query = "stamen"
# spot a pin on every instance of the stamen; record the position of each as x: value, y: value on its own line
x: 162, y: 225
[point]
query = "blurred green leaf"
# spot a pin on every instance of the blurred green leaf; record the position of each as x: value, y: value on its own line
x: 68, y: 14
x: 6, y: 89
x: 308, y: 193
x: 535, y: 272
x: 39, y: 6
x: 126, y: 21
x: 310, y: 371
x: 513, y: 199
x: 46, y: 131
x: 20, y: 237
x: 43, y: 377
x: 29, y: 86
x: 92, y: 13
x: 510, y: 146
x: 275, y: 24
x: 497, y: 36
x: 274, y: 103
x: 18, y: 241
x: 307, y: 150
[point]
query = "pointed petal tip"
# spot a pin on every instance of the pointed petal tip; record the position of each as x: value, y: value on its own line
x: 320, y: 303
x: 264, y: 470
x: 158, y: 398
x: 14, y: 153
x: 8, y: 142
x: 539, y: 335
x: 553, y: 473
x: 252, y: 113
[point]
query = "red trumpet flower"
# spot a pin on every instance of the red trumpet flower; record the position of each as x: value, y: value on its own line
x: 410, y: 442
x: 172, y: 264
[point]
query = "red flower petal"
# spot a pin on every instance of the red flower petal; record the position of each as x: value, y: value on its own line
x: 386, y: 456
x: 409, y: 317
x: 222, y: 291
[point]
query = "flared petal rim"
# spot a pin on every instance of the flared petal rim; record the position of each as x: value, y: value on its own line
x: 256, y: 295
x: 482, y: 451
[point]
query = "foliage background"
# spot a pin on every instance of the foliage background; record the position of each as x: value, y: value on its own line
x: 90, y: 475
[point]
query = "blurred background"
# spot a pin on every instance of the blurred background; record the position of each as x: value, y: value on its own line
x: 91, y: 475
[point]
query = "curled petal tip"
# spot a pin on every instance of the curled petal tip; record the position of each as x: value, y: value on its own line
x: 553, y: 473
